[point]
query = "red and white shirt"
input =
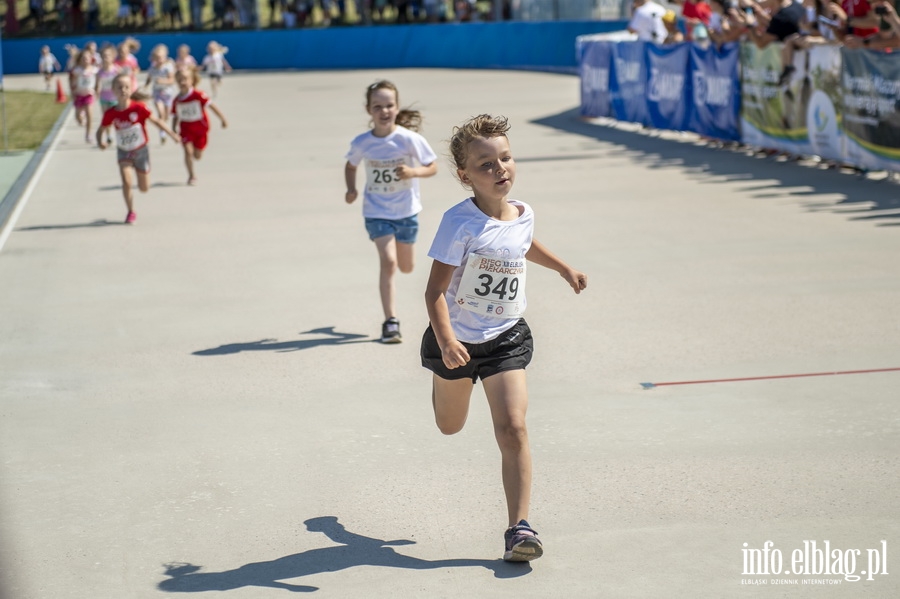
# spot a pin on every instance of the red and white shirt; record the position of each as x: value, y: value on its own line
x: 190, y: 109
x: 130, y: 125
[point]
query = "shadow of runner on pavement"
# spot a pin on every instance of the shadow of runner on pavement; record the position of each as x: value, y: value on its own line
x: 96, y: 223
x: 352, y: 550
x: 334, y: 338
x: 863, y: 199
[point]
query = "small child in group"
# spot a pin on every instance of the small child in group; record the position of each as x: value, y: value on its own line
x: 47, y: 65
x: 161, y: 75
x: 391, y: 200
x: 129, y: 118
x: 475, y: 299
x: 83, y: 81
x: 105, y: 76
x: 184, y: 60
x: 215, y: 65
x: 190, y: 118
x: 127, y: 61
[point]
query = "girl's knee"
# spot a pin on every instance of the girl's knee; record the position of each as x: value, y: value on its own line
x: 449, y: 428
x: 512, y: 436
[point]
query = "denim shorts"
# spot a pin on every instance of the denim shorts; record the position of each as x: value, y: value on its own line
x: 405, y: 230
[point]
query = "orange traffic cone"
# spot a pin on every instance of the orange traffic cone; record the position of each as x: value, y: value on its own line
x: 60, y: 94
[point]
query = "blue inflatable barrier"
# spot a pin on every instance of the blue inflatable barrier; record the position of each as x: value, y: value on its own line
x: 540, y: 46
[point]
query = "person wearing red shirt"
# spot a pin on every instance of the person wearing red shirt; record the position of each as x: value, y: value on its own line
x: 129, y: 119
x: 862, y: 21
x: 189, y: 110
x: 694, y: 14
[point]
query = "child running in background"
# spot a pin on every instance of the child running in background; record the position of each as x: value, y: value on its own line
x: 475, y: 299
x: 47, y: 65
x: 184, y: 60
x: 127, y: 61
x: 161, y: 75
x: 190, y: 118
x: 108, y: 71
x: 391, y: 200
x: 215, y: 65
x: 83, y: 80
x: 129, y: 119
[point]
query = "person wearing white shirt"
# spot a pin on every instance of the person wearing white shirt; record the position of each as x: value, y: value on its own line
x: 647, y: 21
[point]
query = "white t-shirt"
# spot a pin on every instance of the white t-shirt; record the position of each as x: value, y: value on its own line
x: 466, y: 233
x: 647, y: 22
x: 385, y: 196
x: 163, y: 71
x: 214, y: 63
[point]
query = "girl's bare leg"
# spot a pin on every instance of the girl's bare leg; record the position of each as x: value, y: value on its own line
x: 387, y: 256
x: 507, y: 395
x: 450, y: 400
x: 125, y: 171
x: 143, y: 181
x: 189, y: 153
x: 406, y: 257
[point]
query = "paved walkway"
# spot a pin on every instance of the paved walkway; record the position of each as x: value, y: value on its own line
x: 197, y: 402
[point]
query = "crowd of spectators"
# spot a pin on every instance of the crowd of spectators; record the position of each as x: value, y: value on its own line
x: 798, y: 24
x: 89, y: 16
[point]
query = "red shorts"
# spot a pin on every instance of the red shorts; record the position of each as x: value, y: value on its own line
x: 195, y: 137
x: 82, y: 101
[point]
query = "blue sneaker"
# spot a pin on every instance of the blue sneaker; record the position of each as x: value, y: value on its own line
x: 522, y: 544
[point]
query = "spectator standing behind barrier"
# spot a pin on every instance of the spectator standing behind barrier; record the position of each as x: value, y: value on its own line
x: 862, y: 22
x: 673, y: 33
x: 889, y: 38
x: 696, y: 18
x: 647, y: 21
x: 725, y: 23
x: 820, y: 22
x: 764, y: 28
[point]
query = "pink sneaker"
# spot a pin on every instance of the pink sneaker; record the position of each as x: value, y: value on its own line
x: 129, y: 220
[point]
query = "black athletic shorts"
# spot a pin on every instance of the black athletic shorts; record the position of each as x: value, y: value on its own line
x: 512, y: 350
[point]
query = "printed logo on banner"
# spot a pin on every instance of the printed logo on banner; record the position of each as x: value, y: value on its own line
x: 711, y: 90
x: 628, y: 71
x: 594, y: 79
x: 664, y: 86
x: 822, y: 126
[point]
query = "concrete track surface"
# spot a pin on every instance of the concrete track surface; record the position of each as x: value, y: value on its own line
x: 198, y: 403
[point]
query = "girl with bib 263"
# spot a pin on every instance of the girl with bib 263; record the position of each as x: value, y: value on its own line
x: 394, y: 157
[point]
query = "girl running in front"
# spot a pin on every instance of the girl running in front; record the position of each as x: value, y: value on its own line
x: 129, y: 119
x: 391, y: 200
x: 161, y: 75
x: 190, y: 118
x: 476, y: 298
x: 215, y: 65
x: 83, y: 80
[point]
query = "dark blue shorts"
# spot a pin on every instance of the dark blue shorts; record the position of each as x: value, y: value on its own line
x: 512, y: 350
x: 405, y: 230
